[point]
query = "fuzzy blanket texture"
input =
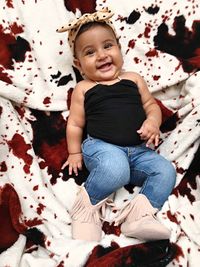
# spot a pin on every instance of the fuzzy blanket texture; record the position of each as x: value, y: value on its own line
x: 161, y: 41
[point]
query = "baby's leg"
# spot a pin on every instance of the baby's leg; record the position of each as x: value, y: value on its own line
x: 109, y: 170
x: 108, y: 166
x: 154, y: 174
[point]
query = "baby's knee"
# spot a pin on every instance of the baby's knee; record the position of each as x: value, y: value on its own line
x: 116, y: 169
x: 170, y: 169
x: 173, y: 174
x: 168, y: 172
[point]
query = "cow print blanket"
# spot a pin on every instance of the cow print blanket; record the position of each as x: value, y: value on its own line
x: 160, y: 40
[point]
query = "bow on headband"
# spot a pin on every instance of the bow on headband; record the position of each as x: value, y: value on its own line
x: 74, y: 26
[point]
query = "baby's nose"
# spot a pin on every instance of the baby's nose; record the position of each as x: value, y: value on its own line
x: 101, y: 54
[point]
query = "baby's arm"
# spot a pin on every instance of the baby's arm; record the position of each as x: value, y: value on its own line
x: 150, y: 129
x: 74, y: 131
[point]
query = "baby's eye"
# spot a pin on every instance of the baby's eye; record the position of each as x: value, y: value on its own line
x: 108, y: 45
x: 89, y: 52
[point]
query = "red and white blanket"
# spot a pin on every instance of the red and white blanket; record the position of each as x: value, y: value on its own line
x: 161, y: 41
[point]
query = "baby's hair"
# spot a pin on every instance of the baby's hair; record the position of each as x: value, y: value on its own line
x: 87, y: 26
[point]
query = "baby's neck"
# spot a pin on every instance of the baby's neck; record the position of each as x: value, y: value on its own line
x: 108, y: 82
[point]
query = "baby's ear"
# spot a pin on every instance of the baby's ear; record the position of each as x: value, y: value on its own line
x: 77, y: 64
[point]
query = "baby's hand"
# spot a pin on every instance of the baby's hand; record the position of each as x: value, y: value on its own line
x: 74, y: 162
x: 150, y: 132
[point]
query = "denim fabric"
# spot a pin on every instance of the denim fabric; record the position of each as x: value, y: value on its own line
x: 111, y: 167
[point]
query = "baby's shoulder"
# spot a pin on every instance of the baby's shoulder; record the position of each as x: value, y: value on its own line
x: 84, y: 85
x: 130, y: 75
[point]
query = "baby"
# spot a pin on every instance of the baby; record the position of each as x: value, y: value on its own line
x: 122, y: 119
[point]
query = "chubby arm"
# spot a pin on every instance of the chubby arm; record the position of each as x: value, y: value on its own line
x: 150, y: 129
x: 74, y: 130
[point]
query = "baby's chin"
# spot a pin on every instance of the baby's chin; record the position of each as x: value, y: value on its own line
x: 107, y: 76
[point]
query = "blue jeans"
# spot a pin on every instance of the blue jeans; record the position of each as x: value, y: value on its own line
x: 111, y: 167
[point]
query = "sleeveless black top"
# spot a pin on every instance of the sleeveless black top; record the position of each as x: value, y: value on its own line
x: 114, y: 113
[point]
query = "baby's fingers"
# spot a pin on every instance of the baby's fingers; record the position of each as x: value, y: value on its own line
x: 150, y: 140
x: 157, y: 140
x: 80, y: 166
x: 65, y: 165
x: 139, y: 131
x: 73, y: 168
x: 70, y: 169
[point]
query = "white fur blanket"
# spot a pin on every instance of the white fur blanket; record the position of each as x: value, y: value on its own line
x: 160, y: 40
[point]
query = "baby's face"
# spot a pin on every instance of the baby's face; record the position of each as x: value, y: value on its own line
x: 98, y: 54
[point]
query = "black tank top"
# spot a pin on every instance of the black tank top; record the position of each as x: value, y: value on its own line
x: 114, y: 113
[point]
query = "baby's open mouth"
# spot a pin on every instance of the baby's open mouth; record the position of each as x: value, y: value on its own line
x: 104, y: 66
